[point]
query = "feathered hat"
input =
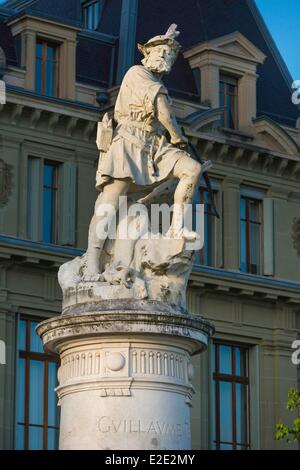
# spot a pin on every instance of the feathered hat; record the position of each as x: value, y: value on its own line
x: 168, y: 38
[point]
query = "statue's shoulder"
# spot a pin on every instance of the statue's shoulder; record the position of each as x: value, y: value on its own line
x: 138, y: 71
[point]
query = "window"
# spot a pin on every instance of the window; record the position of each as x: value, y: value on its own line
x: 43, y: 195
x: 250, y: 235
x: 231, y: 397
x: 91, y: 14
x: 46, y: 69
x: 197, y: 78
x: 50, y: 203
x: 228, y: 101
x: 37, y: 411
x: 207, y: 256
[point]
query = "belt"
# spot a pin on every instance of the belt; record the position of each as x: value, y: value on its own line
x: 131, y: 138
x: 139, y: 143
x: 137, y: 124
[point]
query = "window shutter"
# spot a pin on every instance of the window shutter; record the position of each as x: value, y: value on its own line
x: 268, y: 234
x: 68, y: 204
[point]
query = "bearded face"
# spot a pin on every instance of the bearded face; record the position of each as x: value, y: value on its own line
x: 160, y: 59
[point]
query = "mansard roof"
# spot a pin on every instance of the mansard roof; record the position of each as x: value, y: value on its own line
x: 199, y: 21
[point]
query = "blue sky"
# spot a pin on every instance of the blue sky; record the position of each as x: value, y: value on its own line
x: 283, y: 20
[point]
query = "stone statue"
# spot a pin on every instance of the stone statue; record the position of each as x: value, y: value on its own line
x: 138, y: 161
x: 125, y: 338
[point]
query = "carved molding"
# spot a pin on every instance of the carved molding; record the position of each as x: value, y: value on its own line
x: 25, y: 115
x: 111, y: 364
x: 245, y: 157
x: 5, y: 182
x: 296, y: 234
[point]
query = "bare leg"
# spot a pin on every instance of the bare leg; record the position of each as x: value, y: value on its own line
x: 188, y: 171
x: 100, y: 223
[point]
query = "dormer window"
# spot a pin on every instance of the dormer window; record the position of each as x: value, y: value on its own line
x: 48, y: 54
x: 91, y: 14
x: 46, y: 71
x: 228, y: 95
x: 228, y: 68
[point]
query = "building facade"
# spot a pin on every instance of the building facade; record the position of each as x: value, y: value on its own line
x: 61, y: 63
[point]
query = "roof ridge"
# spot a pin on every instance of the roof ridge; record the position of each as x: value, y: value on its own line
x: 18, y: 4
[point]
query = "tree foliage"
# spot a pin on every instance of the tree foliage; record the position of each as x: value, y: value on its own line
x: 291, y: 434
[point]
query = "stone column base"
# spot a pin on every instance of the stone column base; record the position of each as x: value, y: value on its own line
x: 125, y: 374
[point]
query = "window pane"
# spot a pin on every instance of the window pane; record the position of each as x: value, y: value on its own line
x: 47, y: 216
x: 49, y: 173
x: 90, y: 17
x: 49, y: 203
x: 226, y: 447
x: 22, y: 335
x: 241, y: 413
x: 36, y: 344
x: 39, y: 50
x: 50, y: 78
x: 52, y: 398
x: 35, y: 438
x: 96, y: 15
x: 254, y: 211
x: 221, y: 94
x: 228, y: 100
x: 214, y: 410
x: 240, y: 362
x: 53, y: 439
x: 38, y: 75
x: 21, y: 391
x: 36, y: 392
x: 197, y: 78
x: 243, y: 208
x: 225, y: 359
x: 51, y: 52
x: 20, y: 437
x: 232, y: 108
x: 254, y: 248
x: 243, y: 247
x: 225, y: 411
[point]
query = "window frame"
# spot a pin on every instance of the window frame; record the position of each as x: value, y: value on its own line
x: 45, y: 43
x: 217, y: 260
x: 54, y: 222
x: 259, y: 200
x: 233, y: 379
x: 86, y: 5
x: 223, y: 76
x: 27, y: 355
x: 35, y: 199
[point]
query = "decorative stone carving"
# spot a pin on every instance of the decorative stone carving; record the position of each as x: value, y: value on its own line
x: 296, y: 234
x: 115, y: 361
x: 5, y: 182
x: 137, y: 161
x: 125, y: 376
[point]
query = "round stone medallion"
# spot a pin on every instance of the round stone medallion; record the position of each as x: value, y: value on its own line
x: 115, y: 361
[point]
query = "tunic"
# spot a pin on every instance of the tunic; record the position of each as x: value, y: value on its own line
x: 139, y: 149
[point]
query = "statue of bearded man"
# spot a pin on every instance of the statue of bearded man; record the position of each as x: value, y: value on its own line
x: 140, y: 155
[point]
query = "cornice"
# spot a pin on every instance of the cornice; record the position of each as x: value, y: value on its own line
x: 240, y: 153
x: 258, y: 288
x: 18, y: 251
x: 30, y: 110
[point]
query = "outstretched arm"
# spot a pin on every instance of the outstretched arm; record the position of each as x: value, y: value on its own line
x: 168, y: 120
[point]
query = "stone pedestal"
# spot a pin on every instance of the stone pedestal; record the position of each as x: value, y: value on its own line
x: 125, y: 380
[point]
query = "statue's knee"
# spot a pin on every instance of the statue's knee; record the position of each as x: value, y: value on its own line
x: 192, y: 170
